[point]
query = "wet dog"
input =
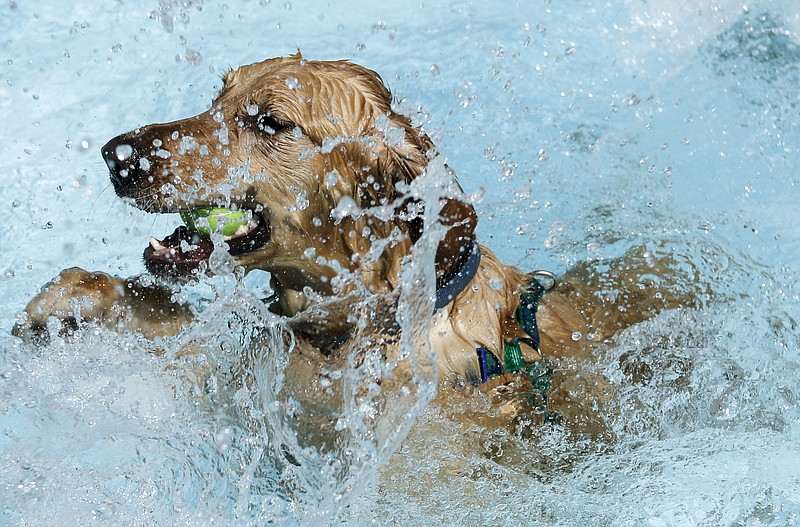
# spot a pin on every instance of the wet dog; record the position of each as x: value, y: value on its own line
x: 302, y: 147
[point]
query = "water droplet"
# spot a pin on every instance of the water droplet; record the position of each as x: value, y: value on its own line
x: 187, y: 143
x: 85, y: 144
x: 435, y: 71
x: 193, y: 57
x: 123, y: 152
x: 292, y: 83
x: 347, y: 207
x: 632, y: 100
x: 302, y: 203
x: 576, y: 336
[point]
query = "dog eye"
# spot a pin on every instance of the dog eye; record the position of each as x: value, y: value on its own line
x: 268, y: 124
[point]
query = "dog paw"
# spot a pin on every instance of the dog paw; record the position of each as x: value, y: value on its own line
x: 71, y: 299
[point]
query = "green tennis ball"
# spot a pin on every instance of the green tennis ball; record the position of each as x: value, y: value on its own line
x: 207, y: 220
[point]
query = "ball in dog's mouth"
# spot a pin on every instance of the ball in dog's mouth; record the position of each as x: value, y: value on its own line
x: 218, y: 219
x: 180, y: 254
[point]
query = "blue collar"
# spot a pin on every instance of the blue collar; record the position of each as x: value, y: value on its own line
x: 458, y: 277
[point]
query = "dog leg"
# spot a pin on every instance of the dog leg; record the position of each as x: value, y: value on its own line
x: 617, y: 293
x: 612, y: 295
x: 77, y: 297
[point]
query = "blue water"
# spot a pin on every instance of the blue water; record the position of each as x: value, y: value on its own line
x: 580, y: 132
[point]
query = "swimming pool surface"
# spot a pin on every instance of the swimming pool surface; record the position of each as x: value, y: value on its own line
x: 581, y: 132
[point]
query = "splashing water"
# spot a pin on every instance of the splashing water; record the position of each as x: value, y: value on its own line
x: 238, y: 353
x: 580, y: 132
x: 222, y: 384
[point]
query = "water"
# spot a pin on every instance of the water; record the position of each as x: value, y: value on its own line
x: 580, y: 132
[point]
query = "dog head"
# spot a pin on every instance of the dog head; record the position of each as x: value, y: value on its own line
x: 303, y: 147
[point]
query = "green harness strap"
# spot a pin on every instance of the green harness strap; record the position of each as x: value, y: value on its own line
x: 513, y: 361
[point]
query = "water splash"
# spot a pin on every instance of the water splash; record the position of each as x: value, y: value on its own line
x: 307, y: 452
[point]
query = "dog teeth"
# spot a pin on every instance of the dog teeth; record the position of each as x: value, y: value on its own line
x: 156, y: 245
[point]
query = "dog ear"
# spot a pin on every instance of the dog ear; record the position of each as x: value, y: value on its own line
x: 404, y: 159
x: 384, y: 151
x: 460, y: 219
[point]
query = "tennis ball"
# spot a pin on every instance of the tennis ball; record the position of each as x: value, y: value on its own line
x: 207, y: 220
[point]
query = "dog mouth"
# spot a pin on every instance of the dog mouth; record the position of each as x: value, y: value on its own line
x: 184, y: 253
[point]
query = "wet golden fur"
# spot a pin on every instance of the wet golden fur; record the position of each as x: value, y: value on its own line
x: 293, y: 139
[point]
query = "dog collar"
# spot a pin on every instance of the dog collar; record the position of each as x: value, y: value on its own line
x: 513, y: 361
x: 458, y: 277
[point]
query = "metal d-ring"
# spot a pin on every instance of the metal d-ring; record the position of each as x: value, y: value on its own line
x: 550, y: 281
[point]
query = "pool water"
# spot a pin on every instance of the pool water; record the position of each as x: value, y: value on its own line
x: 580, y: 132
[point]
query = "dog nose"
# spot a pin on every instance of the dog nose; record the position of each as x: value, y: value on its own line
x: 123, y: 163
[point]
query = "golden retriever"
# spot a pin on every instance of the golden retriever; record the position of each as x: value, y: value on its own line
x: 295, y: 144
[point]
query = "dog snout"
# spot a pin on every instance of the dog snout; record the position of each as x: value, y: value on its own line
x: 124, y: 163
